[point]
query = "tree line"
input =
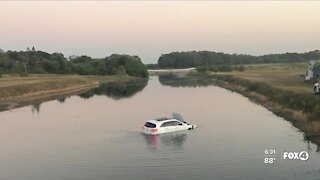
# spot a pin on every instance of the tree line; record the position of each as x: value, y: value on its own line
x: 32, y: 61
x: 209, y: 58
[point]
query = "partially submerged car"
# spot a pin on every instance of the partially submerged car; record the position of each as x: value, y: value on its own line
x: 316, y: 88
x: 166, y: 125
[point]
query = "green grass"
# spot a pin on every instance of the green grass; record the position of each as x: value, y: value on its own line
x: 287, y: 76
x: 281, y: 83
x: 277, y: 67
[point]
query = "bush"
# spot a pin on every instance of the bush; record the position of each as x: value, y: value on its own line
x: 201, y: 69
x: 84, y: 69
x: 1, y: 72
x: 213, y: 69
x: 38, y: 70
x: 224, y: 68
x: 239, y: 68
x: 132, y: 65
x: 23, y: 74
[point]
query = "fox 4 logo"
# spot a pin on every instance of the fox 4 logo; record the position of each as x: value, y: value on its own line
x: 303, y: 155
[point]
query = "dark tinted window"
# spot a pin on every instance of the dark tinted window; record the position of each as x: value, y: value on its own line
x: 171, y: 123
x: 149, y: 125
x: 176, y: 123
x: 166, y: 124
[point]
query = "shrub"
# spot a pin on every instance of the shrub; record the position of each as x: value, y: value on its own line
x: 239, y: 68
x: 38, y: 70
x: 23, y: 74
x: 224, y: 68
x: 201, y: 69
x: 84, y: 69
x: 1, y: 72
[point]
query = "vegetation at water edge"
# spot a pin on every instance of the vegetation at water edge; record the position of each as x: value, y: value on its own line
x: 209, y: 58
x: 40, y: 62
x: 307, y: 103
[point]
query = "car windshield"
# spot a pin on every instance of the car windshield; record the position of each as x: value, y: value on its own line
x: 149, y: 125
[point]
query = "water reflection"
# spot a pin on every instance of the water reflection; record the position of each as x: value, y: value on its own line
x: 171, y: 140
x: 62, y: 99
x: 72, y: 141
x: 176, y: 80
x: 116, y: 90
x: 36, y: 108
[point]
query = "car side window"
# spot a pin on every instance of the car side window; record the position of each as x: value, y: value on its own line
x: 164, y: 124
x: 171, y: 123
x: 167, y: 124
x: 176, y: 123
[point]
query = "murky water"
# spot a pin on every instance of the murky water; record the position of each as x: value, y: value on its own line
x: 96, y: 136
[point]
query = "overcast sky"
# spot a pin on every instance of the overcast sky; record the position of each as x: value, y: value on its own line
x: 149, y: 29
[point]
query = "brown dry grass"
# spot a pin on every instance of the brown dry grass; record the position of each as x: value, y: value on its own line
x: 13, y: 86
x: 15, y: 89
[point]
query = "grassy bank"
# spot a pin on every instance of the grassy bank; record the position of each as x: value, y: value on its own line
x: 17, y: 91
x: 282, y: 90
x: 287, y: 76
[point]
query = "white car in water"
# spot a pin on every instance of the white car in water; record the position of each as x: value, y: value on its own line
x: 316, y: 88
x: 166, y: 125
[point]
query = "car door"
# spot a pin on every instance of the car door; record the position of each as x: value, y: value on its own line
x: 168, y: 126
x: 178, y: 126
